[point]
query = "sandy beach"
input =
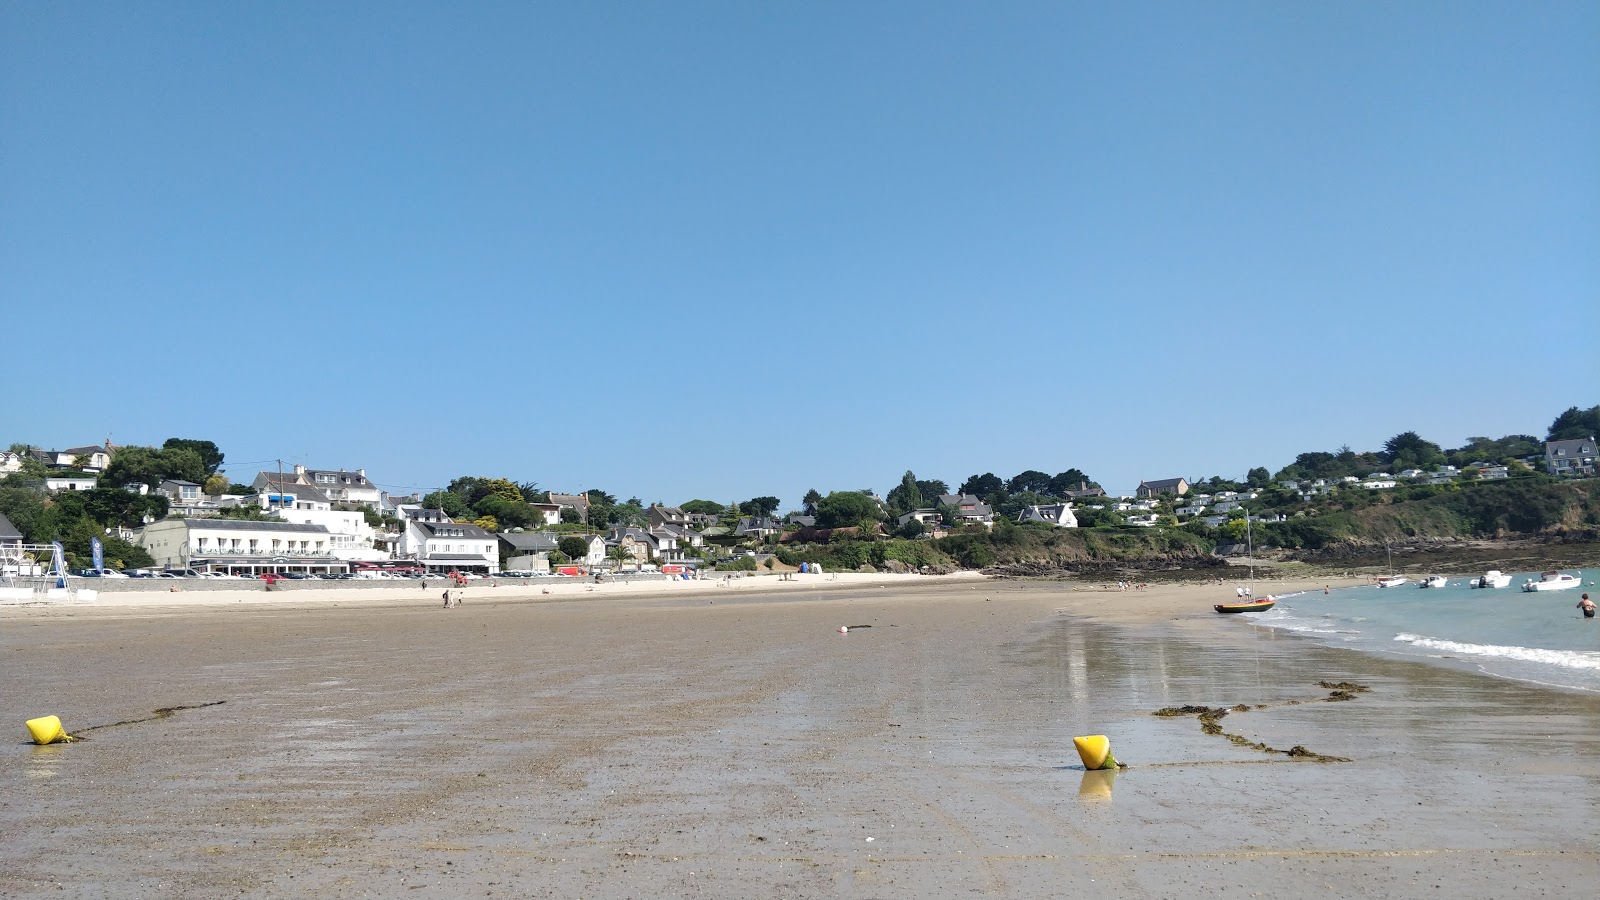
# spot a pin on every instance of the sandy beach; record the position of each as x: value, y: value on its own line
x: 703, y: 741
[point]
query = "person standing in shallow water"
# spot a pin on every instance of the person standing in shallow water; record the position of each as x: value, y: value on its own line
x: 1587, y: 606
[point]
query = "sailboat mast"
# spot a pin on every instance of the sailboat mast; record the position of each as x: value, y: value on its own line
x: 1250, y: 547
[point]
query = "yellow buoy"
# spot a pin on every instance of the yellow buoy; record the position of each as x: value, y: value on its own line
x: 1095, y: 751
x: 47, y: 730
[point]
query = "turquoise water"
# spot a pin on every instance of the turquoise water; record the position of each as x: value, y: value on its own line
x: 1535, y: 637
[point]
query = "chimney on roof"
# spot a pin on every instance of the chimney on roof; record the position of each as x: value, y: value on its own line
x: 299, y: 470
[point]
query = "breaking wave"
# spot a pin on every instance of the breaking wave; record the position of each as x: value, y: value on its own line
x: 1567, y: 659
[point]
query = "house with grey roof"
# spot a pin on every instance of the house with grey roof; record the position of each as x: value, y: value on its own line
x: 757, y: 527
x: 681, y: 535
x: 969, y: 510
x: 342, y: 485
x: 1058, y: 514
x: 578, y: 503
x: 1570, y: 458
x: 667, y: 515
x: 527, y: 551
x: 441, y: 545
x: 638, y: 545
x: 9, y: 535
x: 287, y: 492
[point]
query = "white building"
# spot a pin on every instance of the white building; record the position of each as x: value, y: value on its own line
x: 1058, y: 514
x: 441, y: 545
x: 349, y: 535
x: 235, y: 546
x: 54, y: 483
x: 341, y: 486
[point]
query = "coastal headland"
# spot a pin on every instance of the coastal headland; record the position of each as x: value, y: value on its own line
x: 699, y: 740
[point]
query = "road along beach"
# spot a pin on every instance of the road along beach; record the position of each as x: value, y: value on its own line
x: 730, y: 742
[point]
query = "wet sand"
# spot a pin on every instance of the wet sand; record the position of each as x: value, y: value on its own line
x: 735, y: 744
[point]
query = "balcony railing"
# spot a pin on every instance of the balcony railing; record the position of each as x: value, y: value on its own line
x: 245, y: 551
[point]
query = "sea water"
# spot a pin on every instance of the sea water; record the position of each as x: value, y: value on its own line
x: 1539, y: 637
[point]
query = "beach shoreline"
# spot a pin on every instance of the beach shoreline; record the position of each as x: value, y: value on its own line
x: 730, y: 742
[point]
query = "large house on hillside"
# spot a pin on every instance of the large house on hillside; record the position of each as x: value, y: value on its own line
x: 969, y: 510
x: 1174, y: 486
x: 1571, y: 457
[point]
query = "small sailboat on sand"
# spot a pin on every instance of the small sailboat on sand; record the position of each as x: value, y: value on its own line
x: 1245, y: 602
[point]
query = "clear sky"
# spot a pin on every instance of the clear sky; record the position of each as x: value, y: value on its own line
x: 722, y: 250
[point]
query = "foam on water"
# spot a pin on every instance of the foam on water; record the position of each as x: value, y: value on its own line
x: 1534, y: 637
x: 1570, y: 659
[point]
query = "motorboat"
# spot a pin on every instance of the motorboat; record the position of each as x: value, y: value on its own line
x: 1256, y: 604
x: 1434, y: 581
x: 1388, y: 581
x: 1552, y: 581
x: 1494, y: 578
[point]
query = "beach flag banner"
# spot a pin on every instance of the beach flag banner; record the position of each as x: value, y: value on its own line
x: 58, y: 563
x: 99, y: 551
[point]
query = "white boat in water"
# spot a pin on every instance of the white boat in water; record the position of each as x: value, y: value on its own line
x: 1434, y: 581
x: 1552, y: 581
x: 1494, y: 578
x: 1388, y: 581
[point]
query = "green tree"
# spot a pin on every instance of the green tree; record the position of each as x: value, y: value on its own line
x: 761, y: 506
x: 983, y: 486
x: 1030, y: 480
x: 574, y: 547
x: 507, y: 513
x: 453, y: 504
x: 216, y: 484
x: 505, y: 490
x: 1070, y: 480
x: 845, y: 509
x: 1258, y: 477
x: 210, y: 456
x: 906, y: 496
x: 1575, y: 423
x: 1408, y: 450
x: 149, y: 466
x: 702, y: 507
x: 811, y: 499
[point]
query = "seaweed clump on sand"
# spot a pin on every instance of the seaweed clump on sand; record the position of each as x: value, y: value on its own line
x: 1210, y: 718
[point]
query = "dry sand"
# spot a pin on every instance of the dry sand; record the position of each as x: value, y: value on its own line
x: 730, y: 742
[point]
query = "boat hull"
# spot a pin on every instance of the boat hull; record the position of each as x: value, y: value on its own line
x: 1561, y: 584
x: 1255, y: 606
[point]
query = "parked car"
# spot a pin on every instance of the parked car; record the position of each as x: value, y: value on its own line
x: 297, y: 576
x: 112, y: 573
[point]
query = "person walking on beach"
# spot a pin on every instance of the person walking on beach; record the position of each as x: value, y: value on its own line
x: 1587, y: 606
x: 447, y: 599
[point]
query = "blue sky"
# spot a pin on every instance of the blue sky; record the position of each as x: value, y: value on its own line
x: 729, y: 249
